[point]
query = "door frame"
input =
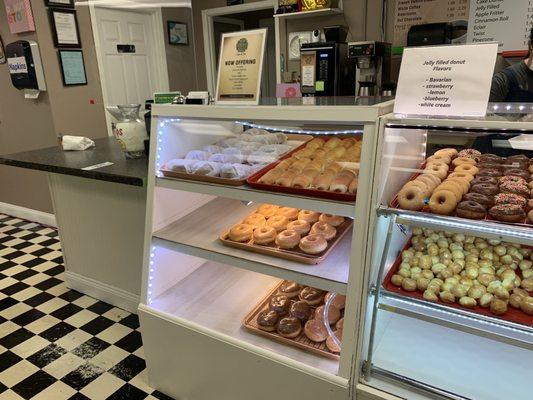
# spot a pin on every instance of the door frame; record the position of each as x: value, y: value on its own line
x: 208, y: 32
x: 161, y: 80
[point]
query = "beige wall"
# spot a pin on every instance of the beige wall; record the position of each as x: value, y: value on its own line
x: 180, y: 59
x: 33, y: 124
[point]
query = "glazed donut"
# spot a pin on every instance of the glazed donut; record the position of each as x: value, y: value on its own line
x: 462, y: 182
x: 315, y: 330
x: 241, y: 233
x: 429, y: 181
x: 438, y: 169
x: 289, y: 212
x: 438, y: 164
x: 453, y: 187
x: 264, y: 235
x: 443, y: 202
x: 308, y: 216
x: 288, y: 239
x: 268, y: 210
x: 463, y: 175
x: 333, y: 220
x: 419, y: 184
x: 441, y: 158
x: 256, y: 220
x: 302, y: 227
x: 470, y: 153
x: 313, y: 244
x: 463, y: 160
x: 324, y: 229
x: 411, y: 198
x: 278, y: 222
x: 468, y: 168
x: 450, y: 152
x: 430, y: 176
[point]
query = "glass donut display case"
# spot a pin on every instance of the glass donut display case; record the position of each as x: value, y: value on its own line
x: 257, y: 226
x: 450, y: 283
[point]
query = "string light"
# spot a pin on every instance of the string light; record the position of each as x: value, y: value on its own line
x: 300, y: 131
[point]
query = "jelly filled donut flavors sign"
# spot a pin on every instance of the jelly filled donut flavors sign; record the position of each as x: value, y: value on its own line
x: 472, y: 185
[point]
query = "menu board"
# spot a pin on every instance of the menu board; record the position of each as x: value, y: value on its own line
x: 416, y: 12
x: 240, y: 67
x: 507, y: 22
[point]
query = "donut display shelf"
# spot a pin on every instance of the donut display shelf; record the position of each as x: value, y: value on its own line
x: 253, y: 181
x: 301, y: 341
x: 512, y: 314
x: 294, y: 254
x: 395, y: 204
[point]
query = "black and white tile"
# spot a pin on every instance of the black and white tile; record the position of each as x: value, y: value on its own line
x: 56, y: 343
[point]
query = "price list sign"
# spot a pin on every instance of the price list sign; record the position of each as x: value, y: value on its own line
x: 416, y: 12
x: 507, y: 22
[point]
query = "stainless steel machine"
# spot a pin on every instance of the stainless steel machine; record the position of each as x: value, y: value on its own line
x: 372, y: 66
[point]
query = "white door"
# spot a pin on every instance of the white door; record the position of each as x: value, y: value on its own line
x: 129, y: 76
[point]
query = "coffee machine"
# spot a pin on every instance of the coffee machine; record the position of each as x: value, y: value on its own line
x: 372, y: 66
x: 324, y: 67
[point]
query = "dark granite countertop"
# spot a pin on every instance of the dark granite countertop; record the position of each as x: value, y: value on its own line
x: 54, y: 159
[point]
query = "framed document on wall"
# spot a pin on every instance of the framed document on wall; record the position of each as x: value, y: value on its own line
x: 240, y: 67
x: 72, y: 67
x: 65, y: 28
x: 59, y: 3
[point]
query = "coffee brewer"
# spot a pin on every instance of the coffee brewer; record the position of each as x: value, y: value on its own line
x: 372, y: 66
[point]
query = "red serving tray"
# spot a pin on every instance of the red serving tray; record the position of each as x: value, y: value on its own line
x: 253, y: 180
x: 512, y: 314
x: 394, y: 204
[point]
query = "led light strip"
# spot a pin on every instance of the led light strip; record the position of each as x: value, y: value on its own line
x: 150, y: 274
x: 300, y: 131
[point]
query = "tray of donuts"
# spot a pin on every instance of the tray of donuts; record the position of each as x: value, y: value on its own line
x: 471, y: 185
x: 488, y: 277
x: 289, y: 233
x: 325, y: 167
x: 233, y: 159
x: 294, y: 315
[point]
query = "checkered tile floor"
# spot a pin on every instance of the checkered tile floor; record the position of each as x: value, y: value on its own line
x: 56, y: 343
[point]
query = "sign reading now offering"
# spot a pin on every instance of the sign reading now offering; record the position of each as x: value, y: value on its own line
x: 446, y: 80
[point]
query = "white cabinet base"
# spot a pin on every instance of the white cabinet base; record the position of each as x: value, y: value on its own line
x: 186, y: 363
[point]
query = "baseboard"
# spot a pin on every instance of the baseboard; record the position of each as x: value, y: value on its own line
x: 102, y: 291
x: 28, y: 214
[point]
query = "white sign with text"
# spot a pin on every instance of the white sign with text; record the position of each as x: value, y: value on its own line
x: 446, y: 80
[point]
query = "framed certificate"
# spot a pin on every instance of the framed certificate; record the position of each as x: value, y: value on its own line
x: 59, y: 3
x: 72, y: 67
x: 65, y: 28
x: 240, y: 67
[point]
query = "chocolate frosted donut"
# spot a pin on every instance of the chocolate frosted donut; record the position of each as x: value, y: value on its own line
x: 289, y: 327
x: 279, y: 303
x: 485, y: 179
x: 301, y: 310
x: 510, y: 198
x: 488, y: 165
x: 485, y: 201
x: 508, y: 213
x: 311, y: 295
x: 495, y: 173
x: 517, y: 172
x: 267, y: 320
x: 485, y: 188
x: 290, y: 289
x: 490, y: 158
x: 470, y: 210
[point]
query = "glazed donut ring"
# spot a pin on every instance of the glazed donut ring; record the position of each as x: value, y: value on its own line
x: 264, y: 235
x: 324, y: 229
x: 288, y: 239
x: 440, y: 170
x: 430, y: 183
x: 468, y: 168
x: 268, y: 210
x: 241, y: 233
x: 443, y: 202
x: 439, y: 164
x: 434, y: 178
x: 289, y: 212
x: 313, y: 244
x: 411, y: 198
x: 441, y: 158
x: 256, y: 220
x: 463, y: 175
x: 450, y: 152
x: 462, y: 182
x: 333, y: 220
x: 302, y: 227
x: 419, y: 184
x: 308, y: 216
x: 453, y: 187
x: 278, y: 222
x: 463, y: 160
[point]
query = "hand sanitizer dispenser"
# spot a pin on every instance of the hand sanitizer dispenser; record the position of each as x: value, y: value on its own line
x: 25, y: 67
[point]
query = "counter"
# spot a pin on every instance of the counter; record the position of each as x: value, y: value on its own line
x: 100, y: 213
